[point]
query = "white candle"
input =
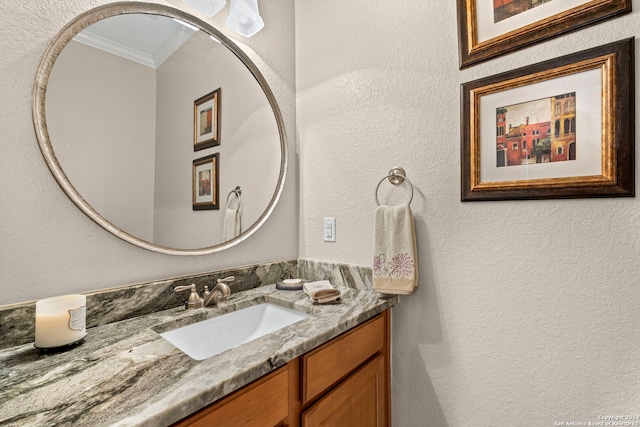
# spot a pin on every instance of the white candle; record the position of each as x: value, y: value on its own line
x: 60, y: 320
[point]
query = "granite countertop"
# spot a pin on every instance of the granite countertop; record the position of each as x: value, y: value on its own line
x: 125, y: 374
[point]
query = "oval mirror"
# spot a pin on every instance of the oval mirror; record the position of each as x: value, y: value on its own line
x: 159, y: 128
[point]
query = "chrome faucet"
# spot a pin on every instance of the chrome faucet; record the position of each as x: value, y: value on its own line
x: 219, y: 293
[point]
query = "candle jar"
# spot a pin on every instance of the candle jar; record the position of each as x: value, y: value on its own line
x: 60, y: 321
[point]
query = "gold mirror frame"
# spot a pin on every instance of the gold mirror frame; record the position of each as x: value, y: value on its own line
x: 52, y: 52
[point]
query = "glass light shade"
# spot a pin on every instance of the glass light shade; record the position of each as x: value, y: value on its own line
x: 207, y: 7
x: 244, y: 17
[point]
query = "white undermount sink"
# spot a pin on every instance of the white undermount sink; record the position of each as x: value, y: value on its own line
x: 213, y: 336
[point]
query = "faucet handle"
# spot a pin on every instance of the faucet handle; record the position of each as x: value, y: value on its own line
x: 227, y: 279
x: 194, y: 300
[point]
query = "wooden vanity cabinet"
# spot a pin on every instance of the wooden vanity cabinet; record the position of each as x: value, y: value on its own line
x: 343, y: 383
x: 346, y: 381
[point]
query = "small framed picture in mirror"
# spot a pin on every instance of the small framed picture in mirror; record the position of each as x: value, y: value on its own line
x: 205, y: 183
x: 206, y: 121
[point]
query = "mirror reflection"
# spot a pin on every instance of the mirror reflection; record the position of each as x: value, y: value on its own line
x: 123, y: 121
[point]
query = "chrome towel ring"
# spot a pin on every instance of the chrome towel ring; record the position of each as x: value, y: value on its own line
x: 236, y: 192
x: 396, y: 176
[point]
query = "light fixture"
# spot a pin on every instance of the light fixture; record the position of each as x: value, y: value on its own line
x: 244, y: 17
x: 207, y: 7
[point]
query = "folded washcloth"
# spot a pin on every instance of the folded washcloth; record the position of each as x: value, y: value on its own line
x: 322, y: 292
x: 395, y: 261
x: 231, y: 226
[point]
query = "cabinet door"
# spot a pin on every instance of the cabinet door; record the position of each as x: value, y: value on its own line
x: 359, y: 401
x: 263, y: 402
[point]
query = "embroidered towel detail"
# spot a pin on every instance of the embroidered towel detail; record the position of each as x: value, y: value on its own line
x: 322, y: 292
x: 231, y: 226
x: 395, y: 261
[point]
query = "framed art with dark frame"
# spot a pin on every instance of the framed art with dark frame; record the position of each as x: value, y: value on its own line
x: 562, y: 128
x: 205, y: 191
x: 487, y: 29
x: 206, y: 121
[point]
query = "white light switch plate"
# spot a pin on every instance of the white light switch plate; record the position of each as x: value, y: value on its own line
x: 329, y: 230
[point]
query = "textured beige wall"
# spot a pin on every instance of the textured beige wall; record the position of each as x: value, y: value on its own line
x: 47, y: 246
x: 100, y: 106
x: 506, y: 329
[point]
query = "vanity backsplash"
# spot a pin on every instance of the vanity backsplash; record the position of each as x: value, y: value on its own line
x: 340, y: 275
x: 126, y: 302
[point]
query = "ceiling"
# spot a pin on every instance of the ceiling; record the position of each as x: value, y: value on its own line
x: 146, y: 39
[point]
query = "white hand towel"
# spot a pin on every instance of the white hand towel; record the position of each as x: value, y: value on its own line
x: 395, y: 260
x: 321, y: 292
x: 231, y: 226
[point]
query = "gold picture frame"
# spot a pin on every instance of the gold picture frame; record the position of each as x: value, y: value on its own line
x: 562, y: 128
x: 206, y: 121
x: 205, y: 183
x: 483, y: 35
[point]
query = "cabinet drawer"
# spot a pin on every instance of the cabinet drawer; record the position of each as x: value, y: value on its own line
x: 265, y: 402
x: 360, y: 400
x: 329, y: 363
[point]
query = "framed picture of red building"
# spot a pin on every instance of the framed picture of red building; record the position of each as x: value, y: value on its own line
x: 489, y: 28
x: 205, y: 187
x: 557, y: 129
x: 206, y: 121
